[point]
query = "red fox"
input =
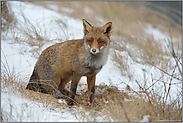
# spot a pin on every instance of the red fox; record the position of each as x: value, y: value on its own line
x: 70, y: 60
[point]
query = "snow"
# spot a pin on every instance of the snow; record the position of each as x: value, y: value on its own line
x: 101, y: 91
x: 145, y: 118
x: 45, y: 19
x: 24, y: 110
x: 29, y: 111
x: 23, y: 64
x: 158, y: 35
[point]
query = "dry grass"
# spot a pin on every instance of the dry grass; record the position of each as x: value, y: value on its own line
x: 128, y: 36
x: 8, y: 20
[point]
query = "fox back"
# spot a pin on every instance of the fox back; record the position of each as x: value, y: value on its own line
x: 70, y: 60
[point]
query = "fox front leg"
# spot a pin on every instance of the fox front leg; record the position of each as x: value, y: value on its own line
x: 91, y: 88
x: 74, y: 84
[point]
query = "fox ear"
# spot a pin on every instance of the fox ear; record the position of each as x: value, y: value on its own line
x: 87, y: 27
x: 107, y: 29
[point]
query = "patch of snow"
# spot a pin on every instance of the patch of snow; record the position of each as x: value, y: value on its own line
x: 53, y: 7
x: 158, y: 35
x: 11, y: 57
x: 62, y: 101
x: 127, y: 100
x: 23, y: 110
x: 67, y: 9
x: 100, y: 91
x: 81, y: 89
x: 145, y: 118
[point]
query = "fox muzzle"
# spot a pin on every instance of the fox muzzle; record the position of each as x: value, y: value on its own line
x: 94, y: 51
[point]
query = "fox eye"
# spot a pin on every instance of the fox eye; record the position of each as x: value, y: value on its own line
x: 101, y: 41
x: 90, y: 40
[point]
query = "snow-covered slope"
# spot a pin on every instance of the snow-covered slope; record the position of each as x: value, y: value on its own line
x: 23, y: 110
x: 23, y: 64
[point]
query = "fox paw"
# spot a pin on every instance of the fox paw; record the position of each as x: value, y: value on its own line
x: 70, y: 103
x: 93, y: 103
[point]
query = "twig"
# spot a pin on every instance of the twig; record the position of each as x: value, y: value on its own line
x: 166, y: 72
x: 172, y: 51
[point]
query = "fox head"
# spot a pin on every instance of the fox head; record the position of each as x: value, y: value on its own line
x: 96, y: 39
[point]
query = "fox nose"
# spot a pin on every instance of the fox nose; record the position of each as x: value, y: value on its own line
x: 93, y: 50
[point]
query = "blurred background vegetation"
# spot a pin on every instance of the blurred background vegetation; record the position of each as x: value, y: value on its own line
x: 173, y: 9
